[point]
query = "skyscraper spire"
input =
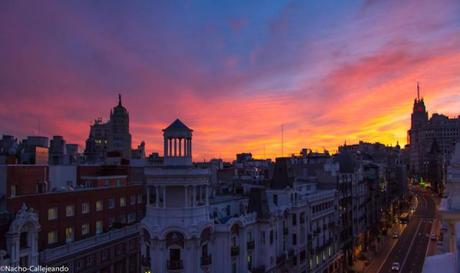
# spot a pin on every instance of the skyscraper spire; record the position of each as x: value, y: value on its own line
x: 119, y: 99
x: 418, y: 91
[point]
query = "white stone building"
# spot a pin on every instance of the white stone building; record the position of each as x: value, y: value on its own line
x: 273, y: 229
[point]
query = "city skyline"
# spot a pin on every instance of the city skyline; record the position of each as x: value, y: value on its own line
x: 328, y: 79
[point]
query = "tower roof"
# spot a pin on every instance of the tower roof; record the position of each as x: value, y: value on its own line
x: 177, y: 125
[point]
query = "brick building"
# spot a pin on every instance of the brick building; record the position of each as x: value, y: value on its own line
x: 89, y: 224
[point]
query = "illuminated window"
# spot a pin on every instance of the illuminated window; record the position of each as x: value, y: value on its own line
x: 52, y: 213
x: 69, y: 234
x: 85, y: 208
x: 122, y: 202
x: 99, y: 205
x: 52, y: 237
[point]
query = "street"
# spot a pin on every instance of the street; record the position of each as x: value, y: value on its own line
x: 411, y: 247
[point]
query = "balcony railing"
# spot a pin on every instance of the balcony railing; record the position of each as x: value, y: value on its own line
x: 175, y: 265
x: 251, y: 244
x: 206, y: 260
x: 76, y: 247
x: 235, y: 251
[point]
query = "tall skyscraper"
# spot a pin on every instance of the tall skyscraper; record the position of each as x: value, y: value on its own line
x: 423, y: 133
x: 110, y: 136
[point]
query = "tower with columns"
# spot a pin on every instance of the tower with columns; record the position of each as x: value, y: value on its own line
x: 177, y: 144
x: 177, y: 227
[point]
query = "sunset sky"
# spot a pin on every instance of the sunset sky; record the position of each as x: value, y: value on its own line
x: 234, y: 71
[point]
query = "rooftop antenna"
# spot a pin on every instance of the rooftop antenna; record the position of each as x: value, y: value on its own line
x: 418, y: 91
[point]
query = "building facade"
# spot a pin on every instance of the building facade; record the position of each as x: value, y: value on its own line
x: 110, y: 136
x: 287, y: 226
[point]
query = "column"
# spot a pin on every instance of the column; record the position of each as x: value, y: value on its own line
x: 157, y: 197
x: 165, y: 149
x: 194, y: 196
x: 207, y: 196
x: 170, y: 147
x: 148, y: 195
x: 164, y: 196
x: 190, y: 147
x: 180, y: 146
x: 186, y: 196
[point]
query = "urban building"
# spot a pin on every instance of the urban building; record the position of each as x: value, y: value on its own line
x: 423, y: 133
x: 286, y: 226
x: 110, y: 136
x: 84, y: 218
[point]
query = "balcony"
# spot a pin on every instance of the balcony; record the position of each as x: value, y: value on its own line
x: 251, y: 244
x: 235, y: 251
x: 206, y: 260
x: 175, y: 265
x: 80, y: 246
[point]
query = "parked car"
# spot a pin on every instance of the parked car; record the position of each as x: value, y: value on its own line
x: 433, y: 237
x: 395, y: 235
x: 395, y: 266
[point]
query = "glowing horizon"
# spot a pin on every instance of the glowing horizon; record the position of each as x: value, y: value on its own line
x: 233, y: 71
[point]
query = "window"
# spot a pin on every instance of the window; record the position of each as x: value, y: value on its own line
x: 99, y: 205
x: 13, y: 190
x: 275, y: 199
x: 111, y: 203
x: 69, y: 234
x: 84, y: 229
x: 122, y: 202
x: 234, y: 270
x: 111, y: 221
x: 69, y: 211
x: 294, y: 239
x: 294, y: 219
x: 52, y: 237
x: 139, y: 198
x: 99, y: 227
x: 132, y: 200
x: 271, y: 237
x: 52, y: 213
x: 85, y: 208
x: 131, y: 217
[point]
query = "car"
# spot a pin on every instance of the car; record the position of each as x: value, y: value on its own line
x: 395, y: 235
x: 395, y: 266
x: 433, y: 237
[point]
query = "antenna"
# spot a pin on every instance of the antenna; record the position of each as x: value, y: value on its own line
x: 418, y: 91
